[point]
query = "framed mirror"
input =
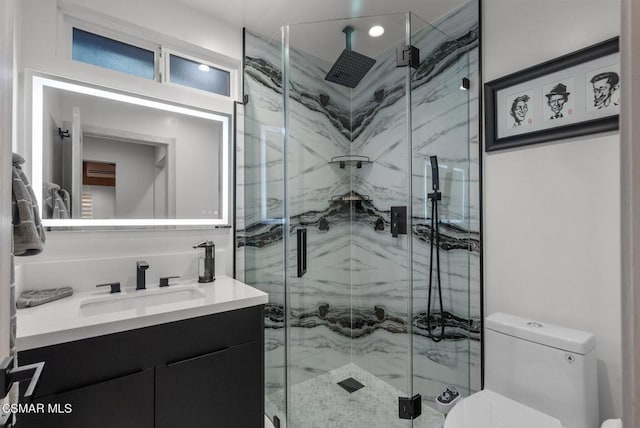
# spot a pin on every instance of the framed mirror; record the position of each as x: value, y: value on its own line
x: 107, y: 158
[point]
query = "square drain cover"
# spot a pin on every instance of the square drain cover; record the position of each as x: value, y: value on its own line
x: 350, y: 385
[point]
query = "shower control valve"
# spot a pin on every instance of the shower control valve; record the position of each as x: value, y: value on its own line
x: 435, y: 196
x: 398, y: 221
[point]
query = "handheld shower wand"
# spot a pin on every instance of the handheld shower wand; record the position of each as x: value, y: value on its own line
x: 434, y: 239
x: 435, y: 175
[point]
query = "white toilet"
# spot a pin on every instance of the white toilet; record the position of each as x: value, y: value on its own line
x: 537, y: 375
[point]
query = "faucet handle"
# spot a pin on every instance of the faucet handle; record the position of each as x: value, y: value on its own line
x: 204, y: 244
x: 115, y: 286
x: 164, y: 281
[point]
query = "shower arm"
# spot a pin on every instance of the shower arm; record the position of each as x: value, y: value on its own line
x: 348, y: 30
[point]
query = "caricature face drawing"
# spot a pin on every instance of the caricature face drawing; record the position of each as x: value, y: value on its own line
x: 604, y: 85
x: 557, y: 97
x: 556, y: 102
x: 519, y: 109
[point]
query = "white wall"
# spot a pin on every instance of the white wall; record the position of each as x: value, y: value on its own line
x: 176, y: 24
x: 135, y: 175
x: 551, y: 211
x: 103, y: 201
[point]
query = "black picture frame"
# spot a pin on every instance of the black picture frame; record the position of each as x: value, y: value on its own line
x: 574, y: 128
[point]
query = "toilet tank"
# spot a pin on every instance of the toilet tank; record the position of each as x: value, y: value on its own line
x: 547, y: 367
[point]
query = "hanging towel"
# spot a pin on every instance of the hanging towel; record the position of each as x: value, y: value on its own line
x: 54, y: 201
x: 66, y: 199
x: 28, y: 233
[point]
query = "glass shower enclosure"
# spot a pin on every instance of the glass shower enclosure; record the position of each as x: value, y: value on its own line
x: 355, y: 219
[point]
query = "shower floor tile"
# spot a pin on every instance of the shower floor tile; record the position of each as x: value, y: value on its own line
x: 321, y: 403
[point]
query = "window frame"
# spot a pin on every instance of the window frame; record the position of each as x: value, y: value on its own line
x: 93, y: 28
x: 161, y: 49
x: 165, y: 62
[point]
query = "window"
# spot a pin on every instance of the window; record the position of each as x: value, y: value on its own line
x: 150, y: 59
x: 109, y: 53
x: 199, y: 75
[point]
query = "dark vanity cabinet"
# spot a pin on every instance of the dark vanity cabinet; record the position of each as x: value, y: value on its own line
x: 199, y: 372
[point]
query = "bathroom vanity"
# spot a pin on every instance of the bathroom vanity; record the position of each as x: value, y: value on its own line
x: 194, y: 362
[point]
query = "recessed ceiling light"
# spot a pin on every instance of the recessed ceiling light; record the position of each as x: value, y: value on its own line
x: 376, y: 31
x: 203, y: 67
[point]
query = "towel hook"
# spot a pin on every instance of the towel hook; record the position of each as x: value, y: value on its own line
x: 64, y: 134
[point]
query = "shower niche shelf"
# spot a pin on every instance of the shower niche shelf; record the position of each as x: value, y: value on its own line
x: 352, y: 160
x: 350, y: 197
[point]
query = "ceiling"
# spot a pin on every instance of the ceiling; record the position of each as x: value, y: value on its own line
x: 326, y: 40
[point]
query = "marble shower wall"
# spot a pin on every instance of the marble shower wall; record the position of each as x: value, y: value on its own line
x: 352, y: 304
x: 380, y: 262
x: 463, y: 25
x: 318, y: 129
x: 442, y: 126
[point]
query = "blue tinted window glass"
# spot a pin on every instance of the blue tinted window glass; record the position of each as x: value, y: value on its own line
x: 199, y: 76
x: 108, y: 53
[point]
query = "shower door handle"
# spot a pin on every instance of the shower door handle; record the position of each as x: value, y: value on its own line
x: 398, y: 221
x: 302, y: 252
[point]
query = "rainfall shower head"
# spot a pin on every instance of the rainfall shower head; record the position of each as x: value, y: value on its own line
x: 351, y: 66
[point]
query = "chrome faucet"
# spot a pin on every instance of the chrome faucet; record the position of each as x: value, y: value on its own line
x: 141, y: 267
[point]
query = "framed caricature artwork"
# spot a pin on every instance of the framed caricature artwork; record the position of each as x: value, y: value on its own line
x: 576, y: 94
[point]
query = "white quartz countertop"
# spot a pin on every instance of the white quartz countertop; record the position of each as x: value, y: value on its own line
x: 73, y: 318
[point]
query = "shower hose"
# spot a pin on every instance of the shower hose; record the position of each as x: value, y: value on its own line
x: 435, y: 242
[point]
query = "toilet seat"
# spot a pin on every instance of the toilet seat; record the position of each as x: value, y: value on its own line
x: 487, y: 409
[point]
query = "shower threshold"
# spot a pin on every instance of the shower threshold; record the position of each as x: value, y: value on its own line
x: 320, y: 402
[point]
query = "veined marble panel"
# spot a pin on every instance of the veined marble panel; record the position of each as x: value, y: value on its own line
x: 353, y: 303
x: 318, y: 131
x: 463, y: 25
x: 315, y: 136
x: 440, y: 126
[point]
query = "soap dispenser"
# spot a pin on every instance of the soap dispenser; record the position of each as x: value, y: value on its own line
x: 206, y: 265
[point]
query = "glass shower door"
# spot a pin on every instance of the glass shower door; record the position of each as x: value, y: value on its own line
x: 441, y: 229
x: 339, y: 226
x: 260, y: 184
x: 348, y: 251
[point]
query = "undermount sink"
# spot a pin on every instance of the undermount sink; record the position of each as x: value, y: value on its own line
x: 140, y: 299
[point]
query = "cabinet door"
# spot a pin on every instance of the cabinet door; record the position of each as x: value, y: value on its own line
x: 124, y: 402
x: 222, y: 389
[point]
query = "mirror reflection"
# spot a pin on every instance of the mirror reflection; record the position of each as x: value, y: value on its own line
x: 112, y: 159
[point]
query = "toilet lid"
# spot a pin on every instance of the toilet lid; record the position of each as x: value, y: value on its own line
x: 487, y: 409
